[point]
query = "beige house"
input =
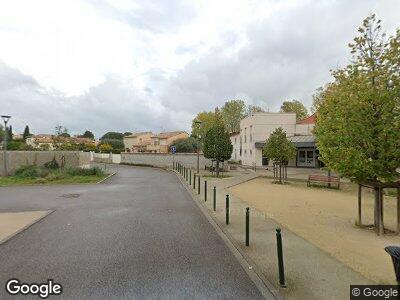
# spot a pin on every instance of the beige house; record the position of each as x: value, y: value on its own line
x: 138, y: 142
x: 162, y: 142
x: 256, y: 129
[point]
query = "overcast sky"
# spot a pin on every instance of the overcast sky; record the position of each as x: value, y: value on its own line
x: 122, y: 65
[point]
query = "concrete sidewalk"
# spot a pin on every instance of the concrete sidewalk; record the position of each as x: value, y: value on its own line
x: 310, y: 272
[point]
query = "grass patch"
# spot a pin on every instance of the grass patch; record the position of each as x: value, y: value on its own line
x: 30, y: 175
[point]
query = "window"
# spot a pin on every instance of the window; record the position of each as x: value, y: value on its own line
x: 251, y: 134
x: 245, y: 135
x: 251, y: 152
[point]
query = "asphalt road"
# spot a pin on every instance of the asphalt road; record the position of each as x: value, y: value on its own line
x: 137, y: 235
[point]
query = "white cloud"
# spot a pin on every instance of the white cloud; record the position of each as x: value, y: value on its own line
x: 151, y: 65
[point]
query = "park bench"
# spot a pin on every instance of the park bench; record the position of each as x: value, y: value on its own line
x: 323, y: 179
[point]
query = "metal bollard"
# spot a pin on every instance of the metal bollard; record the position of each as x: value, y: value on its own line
x: 282, y: 282
x: 215, y: 199
x: 194, y: 181
x: 198, y: 184
x: 190, y: 177
x: 205, y: 190
x: 247, y: 226
x: 227, y: 210
x: 187, y: 173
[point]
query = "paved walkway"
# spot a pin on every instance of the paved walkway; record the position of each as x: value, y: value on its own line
x: 311, y: 273
x: 138, y: 235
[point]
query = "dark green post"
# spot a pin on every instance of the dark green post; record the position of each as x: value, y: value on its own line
x: 198, y: 184
x: 205, y: 190
x: 227, y: 210
x: 190, y: 177
x: 282, y: 282
x: 215, y: 199
x: 247, y: 226
x: 187, y: 173
x: 194, y: 181
x: 184, y: 172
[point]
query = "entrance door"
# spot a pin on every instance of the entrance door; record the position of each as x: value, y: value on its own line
x: 306, y: 158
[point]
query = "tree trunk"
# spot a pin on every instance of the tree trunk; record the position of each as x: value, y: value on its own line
x: 217, y: 168
x: 376, y: 209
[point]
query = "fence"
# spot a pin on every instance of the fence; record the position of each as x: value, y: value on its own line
x: 16, y: 159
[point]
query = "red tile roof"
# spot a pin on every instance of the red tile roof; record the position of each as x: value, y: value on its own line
x: 308, y: 120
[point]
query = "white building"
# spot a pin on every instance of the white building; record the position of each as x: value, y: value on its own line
x: 256, y: 129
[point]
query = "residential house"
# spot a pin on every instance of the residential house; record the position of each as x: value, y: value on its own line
x: 48, y: 141
x: 256, y: 129
x: 138, y: 142
x: 162, y: 142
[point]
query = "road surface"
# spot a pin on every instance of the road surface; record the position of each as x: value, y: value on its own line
x: 137, y: 235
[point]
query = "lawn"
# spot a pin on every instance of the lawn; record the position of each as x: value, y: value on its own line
x: 31, y: 175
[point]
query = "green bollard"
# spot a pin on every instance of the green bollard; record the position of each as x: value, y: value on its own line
x: 227, y: 210
x: 247, y: 226
x: 194, y: 181
x: 190, y: 177
x: 198, y: 184
x: 205, y: 190
x: 282, y: 282
x: 215, y: 199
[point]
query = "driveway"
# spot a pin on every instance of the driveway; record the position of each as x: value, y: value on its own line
x: 137, y: 235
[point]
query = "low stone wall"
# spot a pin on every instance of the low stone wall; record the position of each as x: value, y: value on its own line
x: 164, y: 160
x: 16, y: 159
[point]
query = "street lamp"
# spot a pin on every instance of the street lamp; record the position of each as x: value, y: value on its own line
x: 198, y: 123
x: 5, y: 119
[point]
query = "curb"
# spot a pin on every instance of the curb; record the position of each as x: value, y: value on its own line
x: 25, y: 227
x: 104, y: 179
x: 255, y: 274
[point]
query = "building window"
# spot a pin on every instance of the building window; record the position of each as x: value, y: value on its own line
x: 251, y: 152
x: 251, y: 134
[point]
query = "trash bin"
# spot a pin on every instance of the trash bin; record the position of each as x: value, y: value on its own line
x: 394, y: 253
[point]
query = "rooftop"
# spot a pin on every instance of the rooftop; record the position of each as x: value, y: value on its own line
x: 308, y: 120
x: 166, y: 135
x: 138, y: 133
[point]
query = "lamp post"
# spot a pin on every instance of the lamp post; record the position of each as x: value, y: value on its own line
x: 5, y: 119
x: 198, y: 123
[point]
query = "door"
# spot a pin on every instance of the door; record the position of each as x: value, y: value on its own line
x: 306, y: 158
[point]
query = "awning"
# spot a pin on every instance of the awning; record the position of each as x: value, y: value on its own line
x: 300, y: 141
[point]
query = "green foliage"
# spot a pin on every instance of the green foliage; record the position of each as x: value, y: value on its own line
x: 15, y: 145
x: 87, y: 134
x: 232, y: 112
x: 278, y: 148
x: 295, y: 106
x: 105, y: 148
x: 113, y: 135
x: 89, y: 147
x: 93, y: 171
x: 358, y: 117
x: 115, y: 144
x: 52, y: 165
x: 217, y: 145
x: 26, y: 132
x: 27, y: 172
x: 61, y: 131
x: 208, y: 120
x: 251, y: 109
x: 189, y: 145
x: 1, y: 133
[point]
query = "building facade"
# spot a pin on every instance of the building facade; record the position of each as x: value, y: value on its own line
x: 256, y: 129
x: 137, y: 142
x: 161, y: 143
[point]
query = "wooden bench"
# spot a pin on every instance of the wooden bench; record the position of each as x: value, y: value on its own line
x: 323, y: 179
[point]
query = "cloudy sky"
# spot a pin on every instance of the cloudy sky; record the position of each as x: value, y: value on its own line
x: 123, y: 65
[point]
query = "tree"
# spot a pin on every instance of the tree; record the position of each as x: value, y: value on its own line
x: 26, y: 133
x: 87, y: 134
x: 208, y: 120
x: 1, y: 133
x: 189, y: 145
x: 295, y: 106
x: 105, y: 148
x: 9, y: 133
x: 279, y: 149
x: 113, y: 135
x: 232, y: 112
x: 62, y: 131
x: 251, y: 109
x: 116, y: 144
x: 358, y: 119
x: 217, y: 145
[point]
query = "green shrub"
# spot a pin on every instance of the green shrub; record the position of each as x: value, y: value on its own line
x: 56, y: 175
x: 52, y: 165
x: 94, y: 171
x: 28, y: 172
